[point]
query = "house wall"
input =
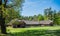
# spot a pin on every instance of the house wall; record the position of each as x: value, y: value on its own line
x: 19, y: 26
x: 46, y: 24
x: 32, y: 25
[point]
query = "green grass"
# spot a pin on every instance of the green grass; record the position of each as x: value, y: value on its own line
x: 13, y: 30
x: 34, y: 31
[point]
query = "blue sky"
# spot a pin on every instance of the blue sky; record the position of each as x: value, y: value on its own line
x: 35, y: 7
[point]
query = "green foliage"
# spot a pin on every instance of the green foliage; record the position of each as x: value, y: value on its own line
x: 12, y: 14
x: 52, y: 15
x: 30, y: 18
x: 12, y: 10
x: 49, y: 13
x: 40, y: 17
x: 57, y: 18
x: 5, y: 8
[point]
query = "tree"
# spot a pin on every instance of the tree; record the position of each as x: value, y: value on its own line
x: 40, y: 17
x: 35, y: 17
x: 57, y: 18
x: 8, y: 4
x: 2, y: 20
x: 30, y: 18
x: 49, y: 13
x: 53, y: 15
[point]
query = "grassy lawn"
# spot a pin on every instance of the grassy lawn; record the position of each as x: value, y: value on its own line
x: 34, y: 31
x: 14, y: 30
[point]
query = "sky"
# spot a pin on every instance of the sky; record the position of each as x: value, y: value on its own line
x: 35, y: 7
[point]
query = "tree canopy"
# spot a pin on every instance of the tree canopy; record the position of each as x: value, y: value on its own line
x: 9, y: 9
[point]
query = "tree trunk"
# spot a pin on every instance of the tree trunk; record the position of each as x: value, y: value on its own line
x: 2, y: 20
x: 3, y: 26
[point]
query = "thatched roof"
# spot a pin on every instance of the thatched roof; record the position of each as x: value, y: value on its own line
x: 46, y: 22
x: 12, y: 21
x: 38, y: 22
x: 31, y: 22
x: 16, y: 21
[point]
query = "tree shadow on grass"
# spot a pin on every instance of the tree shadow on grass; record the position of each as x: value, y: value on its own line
x: 38, y: 33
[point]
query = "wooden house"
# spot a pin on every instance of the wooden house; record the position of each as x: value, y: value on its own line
x: 26, y: 23
x: 38, y: 23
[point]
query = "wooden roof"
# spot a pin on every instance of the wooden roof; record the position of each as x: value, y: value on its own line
x: 32, y: 22
x: 38, y: 22
x: 46, y: 22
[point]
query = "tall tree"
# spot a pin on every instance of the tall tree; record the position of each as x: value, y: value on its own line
x: 2, y: 20
x: 49, y: 13
x: 57, y: 18
x: 8, y: 4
